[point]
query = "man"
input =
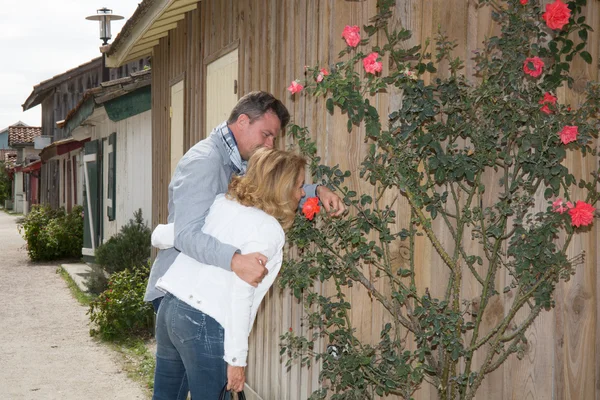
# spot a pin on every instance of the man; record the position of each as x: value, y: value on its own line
x: 205, y: 171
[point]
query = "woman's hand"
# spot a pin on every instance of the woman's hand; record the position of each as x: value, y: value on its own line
x: 236, y: 377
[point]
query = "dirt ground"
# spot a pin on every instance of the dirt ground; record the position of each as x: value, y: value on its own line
x: 45, y: 348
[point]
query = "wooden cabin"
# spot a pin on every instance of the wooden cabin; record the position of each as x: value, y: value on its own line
x: 206, y: 54
x: 57, y: 96
x: 113, y: 123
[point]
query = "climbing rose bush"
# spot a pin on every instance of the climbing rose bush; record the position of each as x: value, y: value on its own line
x: 478, y: 168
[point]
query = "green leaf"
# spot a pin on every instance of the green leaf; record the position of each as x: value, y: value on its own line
x: 431, y: 68
x: 329, y: 105
x: 440, y: 175
x: 583, y: 34
x: 586, y: 57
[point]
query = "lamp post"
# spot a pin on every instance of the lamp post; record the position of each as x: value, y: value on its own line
x: 104, y: 16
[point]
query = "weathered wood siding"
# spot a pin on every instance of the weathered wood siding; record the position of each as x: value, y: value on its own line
x: 276, y: 39
x: 55, y: 107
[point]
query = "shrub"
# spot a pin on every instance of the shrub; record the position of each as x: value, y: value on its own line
x: 120, y: 311
x: 53, y: 234
x: 128, y: 248
x: 5, y: 186
x: 97, y: 282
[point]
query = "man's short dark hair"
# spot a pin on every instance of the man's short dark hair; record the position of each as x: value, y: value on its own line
x: 256, y: 104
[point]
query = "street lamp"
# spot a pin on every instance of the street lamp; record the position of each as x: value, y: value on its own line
x: 104, y: 16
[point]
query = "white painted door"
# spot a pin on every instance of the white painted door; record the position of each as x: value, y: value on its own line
x: 221, y: 89
x: 176, y: 124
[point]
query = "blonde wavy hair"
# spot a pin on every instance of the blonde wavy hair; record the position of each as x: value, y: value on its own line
x: 269, y: 184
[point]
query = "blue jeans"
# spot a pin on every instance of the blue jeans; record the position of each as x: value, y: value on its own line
x: 189, y: 344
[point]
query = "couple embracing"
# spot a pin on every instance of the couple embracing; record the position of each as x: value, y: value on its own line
x: 231, y: 199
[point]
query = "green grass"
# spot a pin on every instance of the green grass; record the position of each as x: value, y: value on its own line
x: 12, y: 213
x: 138, y: 361
x: 83, y: 298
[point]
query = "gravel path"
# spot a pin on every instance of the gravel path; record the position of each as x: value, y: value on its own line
x: 45, y: 348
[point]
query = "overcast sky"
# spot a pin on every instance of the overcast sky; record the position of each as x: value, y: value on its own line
x: 43, y: 38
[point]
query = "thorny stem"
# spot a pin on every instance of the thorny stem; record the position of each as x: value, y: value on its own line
x: 494, y: 345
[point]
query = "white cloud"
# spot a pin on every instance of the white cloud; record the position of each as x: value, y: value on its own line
x: 41, y: 39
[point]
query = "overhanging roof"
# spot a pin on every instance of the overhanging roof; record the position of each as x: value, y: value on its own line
x: 108, y: 93
x: 60, y: 147
x: 33, y: 166
x: 152, y: 20
x: 44, y: 88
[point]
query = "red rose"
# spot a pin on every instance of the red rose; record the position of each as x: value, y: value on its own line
x: 548, y: 98
x: 557, y: 15
x: 537, y: 65
x: 568, y: 134
x: 372, y: 66
x: 582, y: 214
x: 311, y: 207
x: 523, y: 2
x: 352, y: 35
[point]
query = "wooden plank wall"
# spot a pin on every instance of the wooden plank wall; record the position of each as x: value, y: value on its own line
x: 133, y: 185
x: 276, y: 39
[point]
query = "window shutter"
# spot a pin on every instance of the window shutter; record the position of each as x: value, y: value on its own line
x: 112, y: 176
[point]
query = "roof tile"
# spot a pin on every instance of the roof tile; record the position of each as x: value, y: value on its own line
x: 22, y: 134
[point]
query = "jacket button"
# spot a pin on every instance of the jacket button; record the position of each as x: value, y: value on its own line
x: 191, y: 296
x: 233, y: 359
x: 198, y: 302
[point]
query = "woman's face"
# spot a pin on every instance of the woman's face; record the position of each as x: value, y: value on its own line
x: 298, y: 188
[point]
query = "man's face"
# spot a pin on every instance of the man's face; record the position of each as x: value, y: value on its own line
x: 260, y: 133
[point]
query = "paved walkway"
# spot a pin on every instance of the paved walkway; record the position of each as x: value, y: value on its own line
x: 45, y: 348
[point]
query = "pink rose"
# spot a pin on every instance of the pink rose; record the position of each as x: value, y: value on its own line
x: 322, y: 73
x: 295, y: 87
x: 372, y: 66
x: 523, y: 2
x: 537, y: 64
x: 559, y: 206
x: 582, y: 214
x: 568, y: 134
x: 557, y: 15
x: 545, y: 109
x: 352, y: 35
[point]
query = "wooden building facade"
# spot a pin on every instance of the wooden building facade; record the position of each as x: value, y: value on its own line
x: 58, y: 96
x: 113, y: 122
x: 265, y: 44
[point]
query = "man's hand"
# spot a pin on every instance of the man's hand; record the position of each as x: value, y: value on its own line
x: 250, y: 267
x: 236, y: 377
x: 331, y: 201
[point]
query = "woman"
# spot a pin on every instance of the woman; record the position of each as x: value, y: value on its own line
x: 203, y: 323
